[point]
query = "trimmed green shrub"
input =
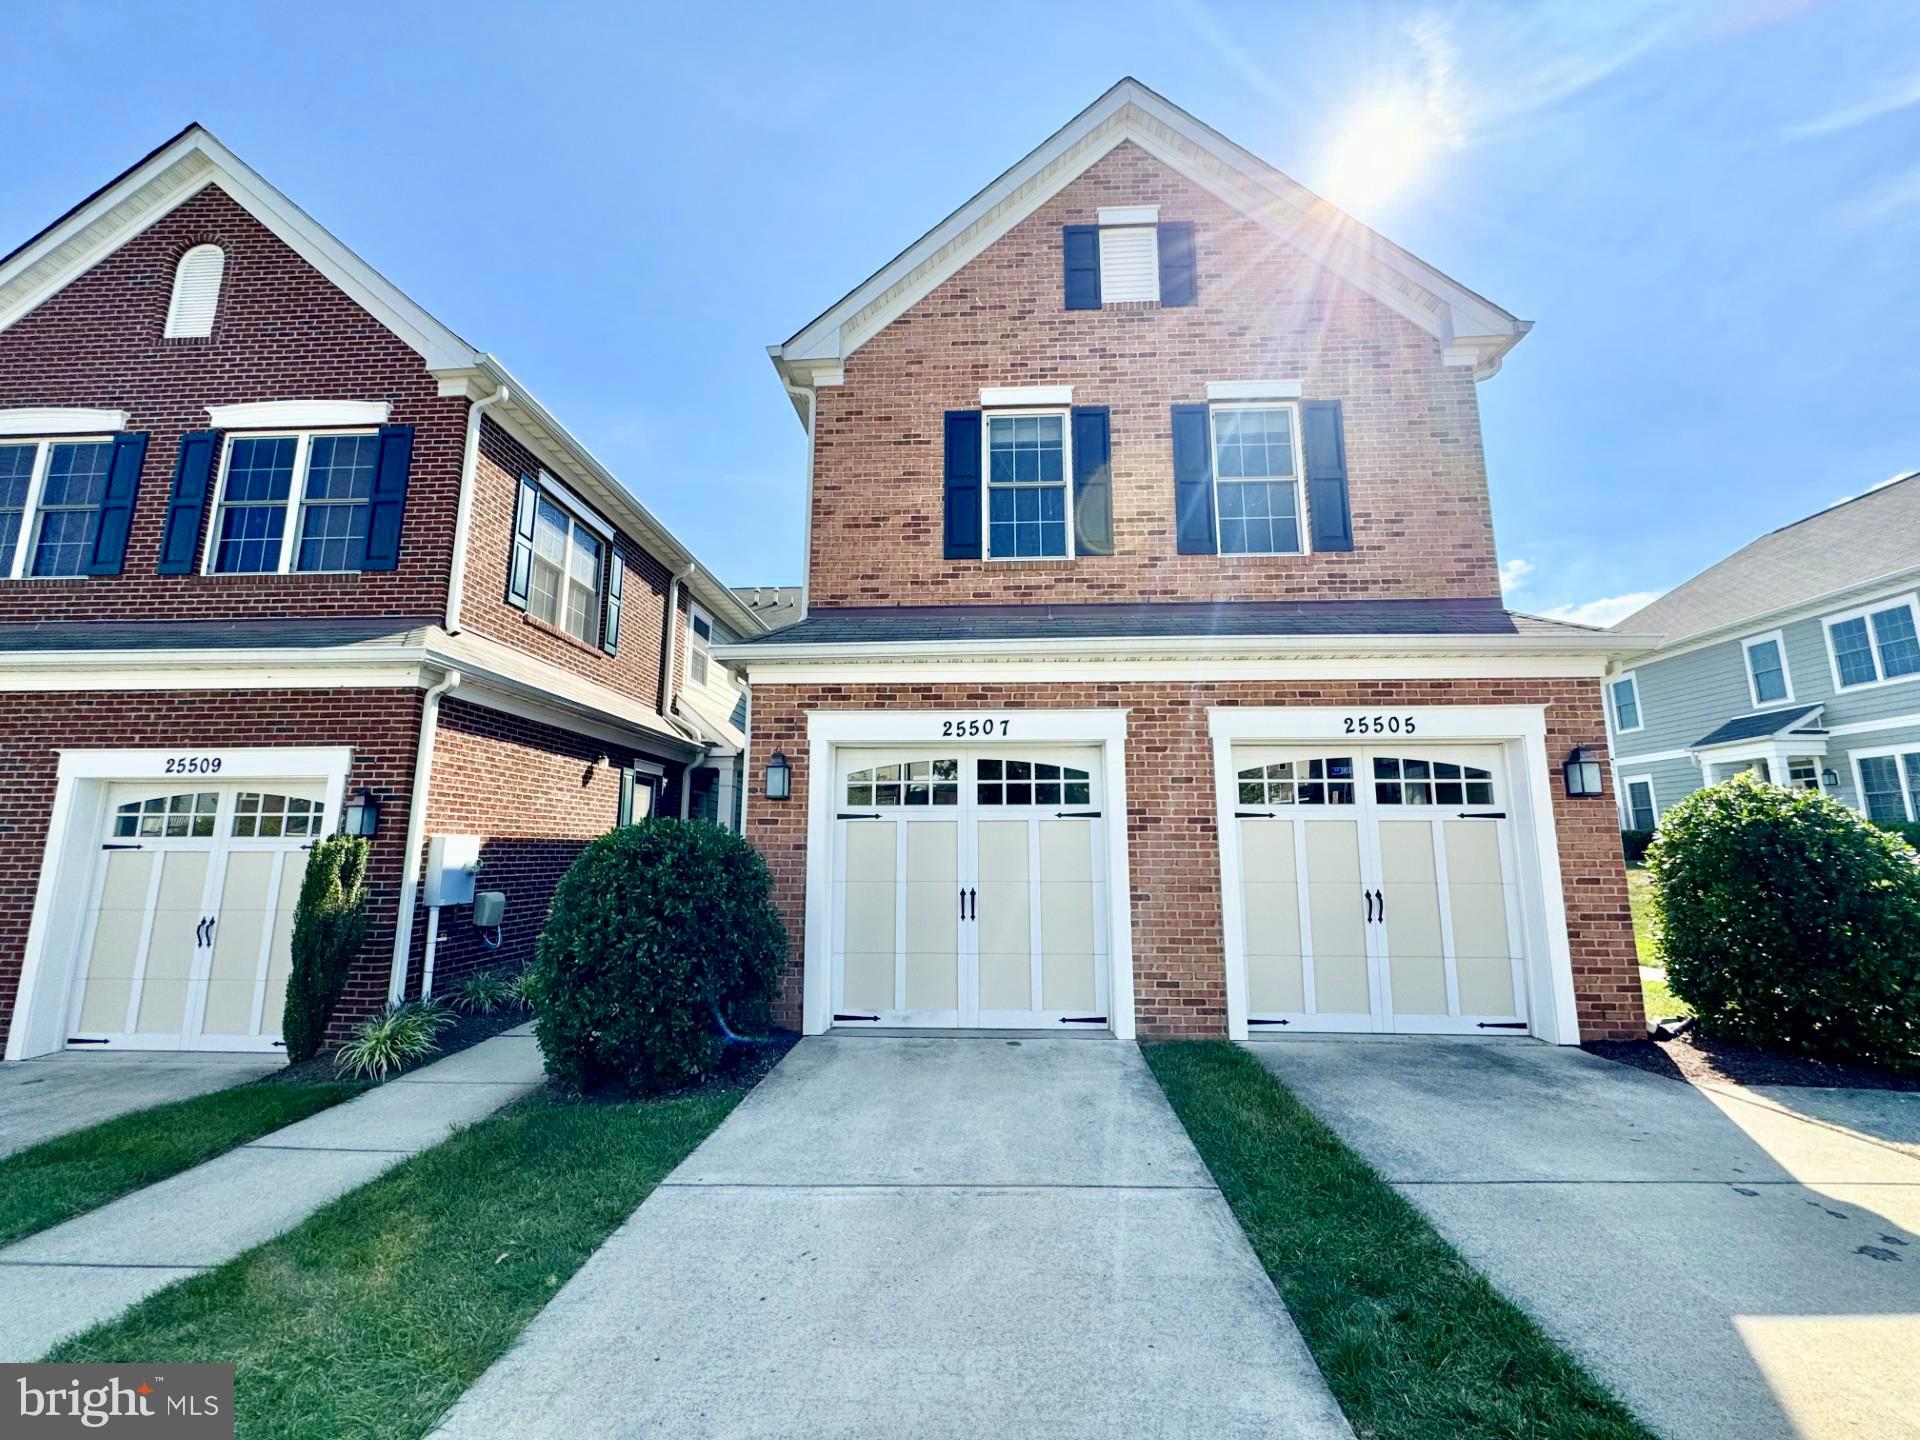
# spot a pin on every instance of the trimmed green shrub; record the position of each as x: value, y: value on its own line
x: 1905, y: 829
x: 1634, y: 844
x: 329, y: 924
x: 657, y: 933
x: 1789, y: 922
x: 394, y: 1038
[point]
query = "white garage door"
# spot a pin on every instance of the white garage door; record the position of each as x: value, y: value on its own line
x: 969, y: 889
x: 189, y: 934
x: 1378, y: 889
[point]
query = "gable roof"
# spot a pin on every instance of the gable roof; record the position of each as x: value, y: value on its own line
x: 1475, y: 331
x: 166, y: 178
x: 1872, y: 539
x: 1763, y: 726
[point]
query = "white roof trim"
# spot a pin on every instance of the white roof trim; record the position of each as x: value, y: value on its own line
x: 1003, y: 396
x: 1475, y: 330
x: 1253, y: 390
x: 297, y: 414
x: 54, y: 420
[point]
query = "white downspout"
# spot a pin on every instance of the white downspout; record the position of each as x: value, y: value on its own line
x: 416, y: 836
x: 806, y: 519
x: 463, y: 513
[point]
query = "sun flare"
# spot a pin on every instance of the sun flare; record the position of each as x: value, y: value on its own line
x: 1382, y: 149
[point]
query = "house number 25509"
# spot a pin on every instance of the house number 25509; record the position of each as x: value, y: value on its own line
x: 1379, y: 724
x: 982, y: 725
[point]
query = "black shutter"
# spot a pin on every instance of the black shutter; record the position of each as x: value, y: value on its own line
x: 115, y: 519
x: 616, y: 594
x: 187, y: 503
x: 962, y: 523
x: 1192, y: 482
x: 390, y: 472
x: 1178, y: 277
x: 1081, y: 246
x: 520, y: 567
x: 1092, y: 482
x: 1326, y: 447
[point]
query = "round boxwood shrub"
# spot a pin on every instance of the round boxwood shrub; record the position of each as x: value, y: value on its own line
x: 1789, y: 922
x: 657, y: 934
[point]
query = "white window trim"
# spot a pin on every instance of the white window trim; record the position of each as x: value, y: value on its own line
x: 574, y: 506
x: 1866, y: 612
x: 1000, y: 397
x: 704, y: 648
x: 295, y: 502
x: 37, y: 421
x: 298, y: 414
x: 562, y: 501
x: 1627, y: 782
x: 1299, y: 480
x: 1894, y: 752
x: 1253, y: 390
x: 987, y: 417
x: 15, y: 564
x: 1786, y: 672
x: 1639, y: 710
x: 1126, y: 215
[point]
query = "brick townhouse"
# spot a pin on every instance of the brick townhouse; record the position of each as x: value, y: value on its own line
x: 284, y: 554
x: 1153, y: 676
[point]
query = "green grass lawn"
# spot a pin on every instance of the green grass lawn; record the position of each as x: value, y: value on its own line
x: 1415, y: 1343
x: 373, y: 1316
x: 1662, y: 1003
x: 79, y: 1171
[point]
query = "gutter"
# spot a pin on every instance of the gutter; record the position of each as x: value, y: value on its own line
x: 416, y: 836
x: 463, y: 514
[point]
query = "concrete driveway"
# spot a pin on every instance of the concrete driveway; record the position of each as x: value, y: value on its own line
x: 921, y: 1236
x: 1733, y: 1263
x: 42, y: 1098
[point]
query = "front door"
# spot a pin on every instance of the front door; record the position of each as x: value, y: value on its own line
x: 189, y: 938
x: 1378, y: 890
x: 969, y: 889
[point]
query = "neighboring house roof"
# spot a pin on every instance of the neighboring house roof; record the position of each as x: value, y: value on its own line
x: 1473, y: 329
x: 1252, y: 619
x: 1762, y: 726
x: 168, y: 177
x: 1869, y: 539
x: 92, y: 635
x: 776, y: 605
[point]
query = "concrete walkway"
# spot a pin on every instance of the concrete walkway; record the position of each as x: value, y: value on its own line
x: 42, y: 1098
x: 1735, y: 1264
x: 928, y: 1237
x: 74, y: 1276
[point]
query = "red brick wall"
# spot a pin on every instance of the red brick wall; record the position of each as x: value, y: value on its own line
x: 1178, y: 959
x: 1422, y: 524
x: 382, y: 726
x: 536, y: 795
x: 282, y: 332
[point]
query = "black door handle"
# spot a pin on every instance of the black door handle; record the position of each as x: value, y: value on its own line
x: 1381, y: 896
x: 212, y: 920
x: 963, y: 902
x: 975, y: 899
x: 1369, y: 895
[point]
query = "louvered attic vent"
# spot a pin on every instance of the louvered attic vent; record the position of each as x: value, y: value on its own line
x: 196, y: 292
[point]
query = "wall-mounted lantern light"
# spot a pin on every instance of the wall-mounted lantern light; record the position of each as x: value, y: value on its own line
x: 1583, y: 775
x: 1830, y: 778
x: 779, y: 776
x: 362, y: 815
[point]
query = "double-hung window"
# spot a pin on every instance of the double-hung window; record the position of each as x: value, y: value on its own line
x: 1642, y: 813
x: 293, y: 503
x: 699, y: 645
x: 567, y: 561
x: 1890, y: 785
x: 1256, y: 475
x: 50, y: 496
x: 1624, y: 695
x: 1875, y: 645
x: 1767, y: 678
x: 1027, y: 495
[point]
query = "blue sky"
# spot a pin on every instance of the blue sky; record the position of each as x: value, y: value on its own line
x: 1710, y: 211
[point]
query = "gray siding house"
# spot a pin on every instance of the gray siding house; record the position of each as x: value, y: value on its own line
x: 1797, y: 657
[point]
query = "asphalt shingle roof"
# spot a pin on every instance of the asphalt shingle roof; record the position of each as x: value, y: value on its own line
x: 1756, y: 727
x: 210, y: 634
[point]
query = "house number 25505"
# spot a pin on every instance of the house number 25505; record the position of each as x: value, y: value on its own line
x: 1379, y: 724
x: 982, y: 725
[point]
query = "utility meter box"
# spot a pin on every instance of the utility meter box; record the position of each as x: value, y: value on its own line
x: 452, y: 863
x: 489, y: 908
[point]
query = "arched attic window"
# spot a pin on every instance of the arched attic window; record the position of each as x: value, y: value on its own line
x: 196, y: 292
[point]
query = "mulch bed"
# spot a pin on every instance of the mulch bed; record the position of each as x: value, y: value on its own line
x: 1701, y: 1060
x: 466, y: 1031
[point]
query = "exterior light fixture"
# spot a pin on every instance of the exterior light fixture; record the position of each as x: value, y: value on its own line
x: 362, y: 815
x: 1583, y: 775
x: 779, y: 777
x: 1830, y: 778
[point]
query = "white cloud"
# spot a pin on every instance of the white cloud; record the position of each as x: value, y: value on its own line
x: 1602, y: 613
x: 1900, y: 97
x: 1513, y: 575
x: 1896, y: 200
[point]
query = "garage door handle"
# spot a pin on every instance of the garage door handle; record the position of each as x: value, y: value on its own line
x: 975, y: 901
x: 1380, y: 897
x: 1483, y: 815
x: 1076, y: 814
x: 1369, y: 895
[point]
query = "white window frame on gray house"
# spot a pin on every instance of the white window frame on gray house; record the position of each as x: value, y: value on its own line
x: 1867, y: 616
x: 989, y: 487
x: 1906, y: 768
x: 699, y: 660
x: 1778, y: 641
x: 1613, y: 704
x: 294, y: 506
x: 1627, y: 785
x: 1296, y: 481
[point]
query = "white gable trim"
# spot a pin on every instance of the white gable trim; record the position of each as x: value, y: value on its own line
x: 1474, y: 330
x: 52, y: 420
x: 163, y: 182
x: 297, y: 414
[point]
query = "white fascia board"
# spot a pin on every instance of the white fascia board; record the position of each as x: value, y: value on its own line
x: 60, y: 420
x: 1164, y: 670
x: 297, y: 414
x: 356, y: 668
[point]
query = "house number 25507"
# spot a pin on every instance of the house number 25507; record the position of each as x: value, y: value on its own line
x: 1379, y: 724
x: 983, y: 725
